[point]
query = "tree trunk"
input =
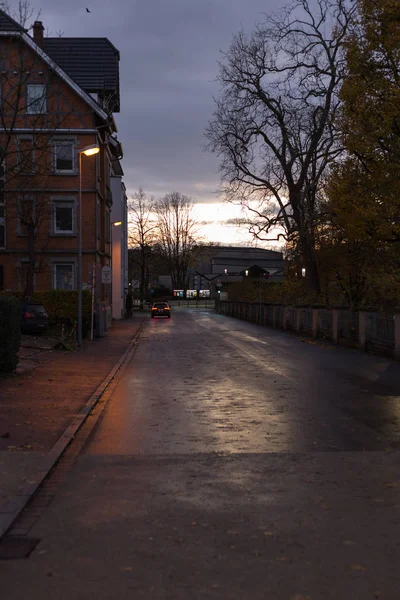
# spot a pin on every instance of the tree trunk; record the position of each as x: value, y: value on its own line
x: 309, y: 263
x: 30, y: 275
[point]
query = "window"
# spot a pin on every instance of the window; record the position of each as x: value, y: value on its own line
x: 36, y: 100
x: 64, y: 217
x: 64, y: 276
x: 26, y: 214
x: 2, y: 209
x: 63, y: 157
x: 26, y: 156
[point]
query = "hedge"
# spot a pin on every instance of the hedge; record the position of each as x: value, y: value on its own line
x: 10, y: 333
x: 60, y: 305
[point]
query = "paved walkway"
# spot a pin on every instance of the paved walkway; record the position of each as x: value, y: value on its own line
x: 37, y: 406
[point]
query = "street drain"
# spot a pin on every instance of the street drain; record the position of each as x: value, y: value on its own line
x: 14, y: 548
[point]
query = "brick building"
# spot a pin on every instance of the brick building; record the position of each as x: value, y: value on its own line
x: 57, y: 97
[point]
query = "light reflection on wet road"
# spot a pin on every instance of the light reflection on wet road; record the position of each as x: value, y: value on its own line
x: 227, y: 465
x: 203, y: 382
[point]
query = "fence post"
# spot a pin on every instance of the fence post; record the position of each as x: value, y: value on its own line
x: 274, y: 315
x: 298, y: 316
x: 315, y: 322
x: 362, y: 329
x: 335, y: 325
x: 397, y: 333
x: 285, y: 315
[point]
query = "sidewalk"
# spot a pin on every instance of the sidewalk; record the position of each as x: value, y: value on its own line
x: 38, y: 405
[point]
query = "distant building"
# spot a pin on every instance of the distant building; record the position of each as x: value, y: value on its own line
x: 209, y: 271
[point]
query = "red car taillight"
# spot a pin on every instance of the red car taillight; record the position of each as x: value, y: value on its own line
x: 29, y: 315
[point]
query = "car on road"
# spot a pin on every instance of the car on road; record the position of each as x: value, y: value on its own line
x: 160, y: 309
x: 34, y: 318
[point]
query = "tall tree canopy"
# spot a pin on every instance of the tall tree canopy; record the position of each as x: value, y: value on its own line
x: 365, y: 186
x: 274, y: 123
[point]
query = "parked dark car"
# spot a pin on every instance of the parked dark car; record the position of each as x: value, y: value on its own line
x: 34, y: 318
x: 160, y: 309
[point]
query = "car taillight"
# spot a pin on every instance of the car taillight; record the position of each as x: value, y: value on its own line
x: 29, y: 315
x: 153, y: 309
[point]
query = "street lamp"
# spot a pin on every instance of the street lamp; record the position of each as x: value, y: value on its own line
x: 87, y: 151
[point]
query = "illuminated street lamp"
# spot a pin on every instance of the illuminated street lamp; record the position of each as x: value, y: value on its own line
x: 246, y: 273
x: 87, y: 151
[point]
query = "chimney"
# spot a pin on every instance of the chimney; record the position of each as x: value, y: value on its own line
x: 38, y: 30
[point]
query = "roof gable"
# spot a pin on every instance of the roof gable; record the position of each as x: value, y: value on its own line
x: 93, y: 63
x: 59, y: 71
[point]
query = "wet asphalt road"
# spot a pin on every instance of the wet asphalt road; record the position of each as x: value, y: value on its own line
x: 232, y: 461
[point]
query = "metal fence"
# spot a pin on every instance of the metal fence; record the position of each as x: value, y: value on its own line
x: 376, y: 332
x: 291, y: 318
x: 269, y: 316
x: 306, y: 320
x: 380, y: 329
x: 325, y: 323
x: 280, y: 315
x: 348, y: 325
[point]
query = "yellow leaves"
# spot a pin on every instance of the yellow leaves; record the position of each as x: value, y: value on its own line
x: 358, y: 568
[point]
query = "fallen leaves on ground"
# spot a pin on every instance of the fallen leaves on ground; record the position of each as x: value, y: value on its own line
x: 358, y: 568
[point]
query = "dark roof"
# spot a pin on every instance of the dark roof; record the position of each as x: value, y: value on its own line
x: 7, y: 23
x: 93, y: 63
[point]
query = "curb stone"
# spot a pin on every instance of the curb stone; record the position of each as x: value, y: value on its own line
x: 17, y: 504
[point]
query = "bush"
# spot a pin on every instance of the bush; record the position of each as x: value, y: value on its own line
x: 10, y: 333
x: 61, y: 305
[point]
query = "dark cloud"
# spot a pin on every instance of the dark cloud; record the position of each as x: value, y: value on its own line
x: 169, y: 53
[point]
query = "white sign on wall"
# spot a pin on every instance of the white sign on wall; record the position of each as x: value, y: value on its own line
x: 106, y: 274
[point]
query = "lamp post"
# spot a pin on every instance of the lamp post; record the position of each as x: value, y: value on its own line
x: 87, y: 151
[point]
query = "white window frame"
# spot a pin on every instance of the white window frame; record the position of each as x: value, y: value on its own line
x: 37, y: 105
x: 55, y: 145
x: 63, y: 263
x: 63, y: 202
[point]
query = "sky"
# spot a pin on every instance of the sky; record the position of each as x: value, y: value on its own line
x: 169, y: 62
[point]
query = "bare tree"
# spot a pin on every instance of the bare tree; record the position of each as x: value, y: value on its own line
x: 142, y: 227
x: 273, y: 126
x: 177, y: 235
x: 23, y: 12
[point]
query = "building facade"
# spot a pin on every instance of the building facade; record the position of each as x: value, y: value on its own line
x: 57, y: 99
x: 119, y: 240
